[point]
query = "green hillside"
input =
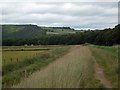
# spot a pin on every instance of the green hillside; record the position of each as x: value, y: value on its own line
x: 59, y: 30
x: 22, y: 31
x: 32, y: 31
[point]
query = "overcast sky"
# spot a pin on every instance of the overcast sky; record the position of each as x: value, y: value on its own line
x: 78, y: 15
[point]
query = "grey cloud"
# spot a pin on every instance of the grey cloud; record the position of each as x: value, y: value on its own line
x: 77, y: 15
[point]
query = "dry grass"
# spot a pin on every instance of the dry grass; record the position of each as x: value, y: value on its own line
x: 73, y: 70
x: 18, y: 56
x: 19, y: 53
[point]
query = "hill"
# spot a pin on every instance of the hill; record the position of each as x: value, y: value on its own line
x: 22, y: 31
x: 32, y: 35
x: 32, y: 31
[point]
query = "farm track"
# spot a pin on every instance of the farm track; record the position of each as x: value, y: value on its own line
x: 64, y: 59
x: 73, y: 53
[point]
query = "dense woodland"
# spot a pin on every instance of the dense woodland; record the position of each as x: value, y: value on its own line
x: 98, y: 37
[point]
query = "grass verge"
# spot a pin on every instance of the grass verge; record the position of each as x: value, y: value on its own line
x: 106, y: 57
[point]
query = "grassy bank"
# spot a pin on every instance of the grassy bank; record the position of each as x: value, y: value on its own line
x: 107, y: 58
x: 14, y: 72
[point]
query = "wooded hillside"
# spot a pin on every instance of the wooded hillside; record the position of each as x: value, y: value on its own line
x: 99, y: 37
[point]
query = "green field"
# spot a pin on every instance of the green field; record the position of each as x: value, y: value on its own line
x: 61, y: 31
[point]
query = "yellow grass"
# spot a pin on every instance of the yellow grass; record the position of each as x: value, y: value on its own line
x: 17, y: 56
x: 18, y: 53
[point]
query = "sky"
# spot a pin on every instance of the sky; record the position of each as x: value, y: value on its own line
x: 74, y: 14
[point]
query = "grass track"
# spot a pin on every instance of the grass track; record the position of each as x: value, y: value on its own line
x: 73, y: 70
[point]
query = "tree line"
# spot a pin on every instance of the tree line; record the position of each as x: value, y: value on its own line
x: 98, y: 37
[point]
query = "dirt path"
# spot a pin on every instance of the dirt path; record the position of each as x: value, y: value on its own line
x: 64, y: 71
x: 99, y: 74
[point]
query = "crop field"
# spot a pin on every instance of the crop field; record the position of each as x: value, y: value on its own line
x: 15, y: 54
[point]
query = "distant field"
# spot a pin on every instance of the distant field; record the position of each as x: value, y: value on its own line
x: 30, y: 47
x: 61, y: 31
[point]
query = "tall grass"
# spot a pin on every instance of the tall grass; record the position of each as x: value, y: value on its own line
x: 74, y: 70
x: 13, y: 73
